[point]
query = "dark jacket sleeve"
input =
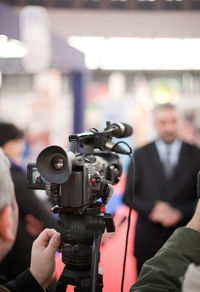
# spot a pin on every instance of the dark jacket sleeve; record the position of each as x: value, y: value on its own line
x: 192, y: 162
x: 132, y: 196
x: 129, y: 188
x: 24, y: 282
x: 166, y: 269
x: 187, y: 209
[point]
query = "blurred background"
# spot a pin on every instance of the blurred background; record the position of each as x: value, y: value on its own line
x: 68, y: 65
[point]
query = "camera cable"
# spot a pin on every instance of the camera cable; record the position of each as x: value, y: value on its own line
x: 128, y: 228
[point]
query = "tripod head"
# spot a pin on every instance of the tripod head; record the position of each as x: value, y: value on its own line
x: 81, y: 256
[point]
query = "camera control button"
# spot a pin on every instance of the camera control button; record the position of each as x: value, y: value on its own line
x: 103, y: 209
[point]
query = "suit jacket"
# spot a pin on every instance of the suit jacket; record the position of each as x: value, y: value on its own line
x: 18, y: 259
x: 151, y: 184
x: 24, y: 282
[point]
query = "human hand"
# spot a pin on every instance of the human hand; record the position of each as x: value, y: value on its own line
x: 165, y: 214
x: 194, y: 223
x: 43, y: 257
x: 33, y: 225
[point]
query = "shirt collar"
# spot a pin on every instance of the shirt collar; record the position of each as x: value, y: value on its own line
x: 176, y: 144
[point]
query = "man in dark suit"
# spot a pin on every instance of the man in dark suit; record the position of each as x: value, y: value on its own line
x: 163, y: 191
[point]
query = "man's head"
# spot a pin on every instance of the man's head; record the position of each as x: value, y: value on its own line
x: 11, y: 141
x: 166, y: 119
x: 8, y: 208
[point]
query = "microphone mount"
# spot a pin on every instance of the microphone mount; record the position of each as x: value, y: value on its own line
x: 102, y: 140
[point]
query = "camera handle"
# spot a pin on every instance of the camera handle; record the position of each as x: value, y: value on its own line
x: 87, y: 279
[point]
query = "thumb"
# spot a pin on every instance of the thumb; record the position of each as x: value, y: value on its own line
x: 54, y: 243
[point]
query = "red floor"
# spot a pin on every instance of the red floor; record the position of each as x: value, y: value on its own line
x: 112, y: 255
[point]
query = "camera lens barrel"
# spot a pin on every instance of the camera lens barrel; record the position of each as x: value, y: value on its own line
x: 57, y: 163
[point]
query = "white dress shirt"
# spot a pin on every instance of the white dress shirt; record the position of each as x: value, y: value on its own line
x: 173, y: 148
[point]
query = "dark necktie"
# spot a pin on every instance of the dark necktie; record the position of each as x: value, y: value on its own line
x: 167, y: 164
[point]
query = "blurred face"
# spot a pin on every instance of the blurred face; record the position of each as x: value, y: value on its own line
x: 166, y: 123
x: 14, y: 149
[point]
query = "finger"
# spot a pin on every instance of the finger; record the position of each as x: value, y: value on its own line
x: 153, y: 217
x: 162, y: 203
x: 54, y: 243
x: 33, y: 231
x: 44, y: 237
x: 29, y: 219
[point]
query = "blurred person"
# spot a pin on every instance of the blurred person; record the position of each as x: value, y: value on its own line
x: 34, y: 215
x: 163, y: 191
x: 176, y: 266
x: 42, y: 268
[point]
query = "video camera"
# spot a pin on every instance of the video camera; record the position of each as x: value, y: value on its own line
x: 81, y: 183
x: 75, y: 180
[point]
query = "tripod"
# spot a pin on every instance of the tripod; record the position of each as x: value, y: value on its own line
x: 81, y: 258
x: 79, y: 275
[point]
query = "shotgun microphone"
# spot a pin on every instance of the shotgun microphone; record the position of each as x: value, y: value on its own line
x: 119, y: 130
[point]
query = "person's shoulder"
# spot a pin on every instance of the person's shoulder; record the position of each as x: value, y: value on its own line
x: 146, y: 147
x: 15, y: 168
x: 17, y: 173
x: 191, y: 147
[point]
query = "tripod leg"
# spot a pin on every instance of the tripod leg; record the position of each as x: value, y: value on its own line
x: 61, y: 286
x: 81, y: 280
x: 95, y: 257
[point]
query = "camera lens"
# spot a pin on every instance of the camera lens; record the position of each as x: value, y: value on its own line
x: 57, y: 163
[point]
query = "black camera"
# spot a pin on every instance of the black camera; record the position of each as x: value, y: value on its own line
x: 76, y: 180
x: 81, y: 184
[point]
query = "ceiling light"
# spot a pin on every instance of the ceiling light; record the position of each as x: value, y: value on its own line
x: 119, y: 53
x: 11, y: 48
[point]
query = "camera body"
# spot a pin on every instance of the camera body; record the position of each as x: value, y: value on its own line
x: 90, y: 179
x: 77, y: 180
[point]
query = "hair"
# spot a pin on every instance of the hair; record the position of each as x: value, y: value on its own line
x: 9, y: 132
x: 166, y: 105
x: 6, y: 186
